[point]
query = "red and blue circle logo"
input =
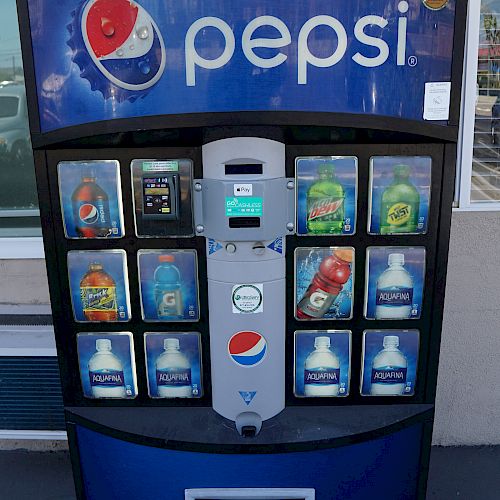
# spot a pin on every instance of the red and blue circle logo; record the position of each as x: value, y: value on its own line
x: 88, y: 213
x: 247, y: 348
x: 123, y: 42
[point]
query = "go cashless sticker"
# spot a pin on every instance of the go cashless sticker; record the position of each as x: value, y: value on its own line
x: 99, y: 285
x: 173, y: 362
x: 91, y: 200
x: 323, y: 282
x: 322, y: 363
x: 169, y: 285
x: 107, y: 365
x: 400, y: 188
x: 326, y: 195
x: 390, y: 359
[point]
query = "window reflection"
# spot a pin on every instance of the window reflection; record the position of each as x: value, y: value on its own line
x: 486, y: 159
x: 18, y: 196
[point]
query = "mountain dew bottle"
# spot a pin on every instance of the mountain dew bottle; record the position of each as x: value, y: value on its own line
x: 400, y: 204
x: 325, y: 203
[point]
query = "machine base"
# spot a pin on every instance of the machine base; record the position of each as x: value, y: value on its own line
x: 383, y: 467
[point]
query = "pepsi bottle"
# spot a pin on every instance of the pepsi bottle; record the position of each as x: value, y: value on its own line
x: 91, y: 209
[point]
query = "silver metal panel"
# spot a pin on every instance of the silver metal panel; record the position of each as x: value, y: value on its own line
x: 250, y: 494
x: 247, y: 339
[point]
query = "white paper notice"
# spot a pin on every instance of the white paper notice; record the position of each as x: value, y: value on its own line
x: 437, y: 100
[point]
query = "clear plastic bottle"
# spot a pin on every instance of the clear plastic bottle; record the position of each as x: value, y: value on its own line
x: 321, y: 370
x: 400, y: 204
x: 325, y: 203
x: 167, y: 289
x: 394, y: 297
x: 389, y: 367
x: 106, y: 372
x: 173, y: 372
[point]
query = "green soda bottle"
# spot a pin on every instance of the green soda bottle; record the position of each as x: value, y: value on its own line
x: 400, y: 204
x: 325, y: 203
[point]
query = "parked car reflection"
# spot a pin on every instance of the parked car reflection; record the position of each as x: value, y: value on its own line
x: 14, y: 129
x: 17, y: 177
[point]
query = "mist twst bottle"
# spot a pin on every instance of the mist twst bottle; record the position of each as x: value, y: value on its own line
x: 325, y: 203
x: 400, y: 204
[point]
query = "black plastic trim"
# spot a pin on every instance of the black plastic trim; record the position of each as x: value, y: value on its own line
x: 272, y: 436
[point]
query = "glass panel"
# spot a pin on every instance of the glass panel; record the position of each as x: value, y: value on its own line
x: 18, y: 197
x: 485, y: 184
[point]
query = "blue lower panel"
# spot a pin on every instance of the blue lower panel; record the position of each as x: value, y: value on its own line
x: 383, y: 468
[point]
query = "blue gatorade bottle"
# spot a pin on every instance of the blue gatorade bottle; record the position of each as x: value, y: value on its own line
x: 167, y: 289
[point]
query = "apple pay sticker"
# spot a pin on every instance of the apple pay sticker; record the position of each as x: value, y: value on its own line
x: 243, y: 189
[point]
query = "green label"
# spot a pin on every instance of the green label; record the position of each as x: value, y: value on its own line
x: 243, y: 206
x: 160, y: 166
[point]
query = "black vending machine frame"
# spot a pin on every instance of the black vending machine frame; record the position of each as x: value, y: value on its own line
x: 304, y: 134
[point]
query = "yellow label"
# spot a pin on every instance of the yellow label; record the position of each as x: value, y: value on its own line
x: 98, y: 298
x: 435, y: 4
x: 399, y: 214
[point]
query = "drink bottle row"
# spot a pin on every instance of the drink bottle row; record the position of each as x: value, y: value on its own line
x: 322, y: 364
x: 324, y: 279
x: 326, y: 190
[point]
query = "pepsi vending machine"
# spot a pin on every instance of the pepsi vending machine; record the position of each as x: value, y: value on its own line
x: 246, y: 212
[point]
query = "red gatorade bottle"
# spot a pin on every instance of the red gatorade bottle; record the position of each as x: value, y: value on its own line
x: 333, y: 273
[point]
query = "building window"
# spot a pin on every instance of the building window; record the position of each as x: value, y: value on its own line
x: 19, y: 215
x: 479, y: 187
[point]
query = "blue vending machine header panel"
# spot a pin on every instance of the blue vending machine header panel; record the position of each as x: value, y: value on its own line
x: 99, y: 60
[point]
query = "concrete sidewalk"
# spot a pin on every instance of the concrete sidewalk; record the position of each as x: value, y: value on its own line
x: 471, y: 473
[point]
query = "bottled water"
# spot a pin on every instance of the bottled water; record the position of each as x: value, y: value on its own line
x: 321, y: 370
x: 394, y: 290
x: 389, y: 369
x: 173, y: 372
x: 106, y: 372
x: 167, y: 289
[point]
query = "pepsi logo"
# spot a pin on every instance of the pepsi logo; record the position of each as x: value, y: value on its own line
x: 124, y: 43
x: 247, y: 348
x: 88, y: 213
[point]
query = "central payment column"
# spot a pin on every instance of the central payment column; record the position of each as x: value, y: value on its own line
x: 244, y: 206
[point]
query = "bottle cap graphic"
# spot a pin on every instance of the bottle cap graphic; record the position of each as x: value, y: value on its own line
x: 327, y: 169
x: 402, y: 170
x: 391, y: 341
x: 89, y: 173
x: 166, y: 258
x: 322, y: 342
x: 103, y: 344
x: 118, y: 47
x: 396, y: 259
x: 171, y: 344
x: 95, y: 266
